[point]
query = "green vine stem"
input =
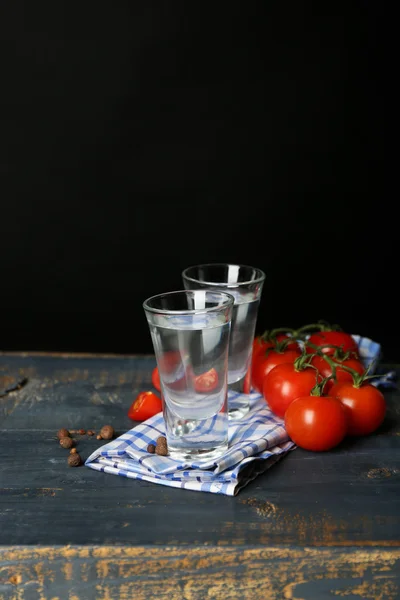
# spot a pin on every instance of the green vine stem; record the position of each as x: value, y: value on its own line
x: 358, y: 379
x: 270, y: 335
x: 304, y: 361
x: 318, y: 388
x: 338, y: 354
x: 320, y: 326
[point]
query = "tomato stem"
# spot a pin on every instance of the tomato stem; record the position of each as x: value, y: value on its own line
x: 279, y: 347
x: 320, y: 326
x: 318, y: 388
x: 339, y: 353
x: 304, y: 361
x: 270, y: 334
x: 358, y: 379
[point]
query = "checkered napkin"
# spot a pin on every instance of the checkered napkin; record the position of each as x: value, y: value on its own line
x: 256, y: 442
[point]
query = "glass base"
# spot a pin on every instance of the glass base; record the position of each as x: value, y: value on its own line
x: 238, y: 412
x: 197, y: 453
x: 239, y: 406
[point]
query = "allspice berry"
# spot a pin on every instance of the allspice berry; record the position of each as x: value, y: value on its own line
x: 67, y: 442
x: 63, y: 433
x: 162, y: 446
x: 74, y: 460
x: 107, y: 432
x: 98, y: 437
x: 151, y: 448
x: 90, y: 432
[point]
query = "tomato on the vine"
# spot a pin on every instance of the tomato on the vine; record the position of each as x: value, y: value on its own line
x: 325, y: 369
x: 206, y: 382
x: 146, y: 405
x: 261, y: 344
x: 316, y: 423
x: 365, y: 406
x: 325, y: 339
x: 285, y: 383
x: 265, y: 363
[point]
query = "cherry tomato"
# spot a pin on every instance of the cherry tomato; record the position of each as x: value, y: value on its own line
x: 365, y: 405
x: 206, y: 382
x: 335, y: 338
x: 316, y: 423
x: 146, y: 405
x: 285, y: 383
x: 325, y: 370
x: 260, y: 345
x: 155, y: 379
x: 170, y: 369
x: 264, y: 364
x: 247, y: 382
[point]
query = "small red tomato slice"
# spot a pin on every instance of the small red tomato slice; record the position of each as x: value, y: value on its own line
x: 146, y: 405
x: 155, y: 379
x: 206, y: 382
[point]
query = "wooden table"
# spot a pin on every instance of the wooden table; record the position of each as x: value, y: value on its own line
x: 313, y: 526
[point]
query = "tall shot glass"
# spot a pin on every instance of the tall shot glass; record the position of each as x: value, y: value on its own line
x: 245, y: 284
x: 190, y: 330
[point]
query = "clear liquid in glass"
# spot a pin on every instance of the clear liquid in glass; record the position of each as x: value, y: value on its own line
x: 192, y: 355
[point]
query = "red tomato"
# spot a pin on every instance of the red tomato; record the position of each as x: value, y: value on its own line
x: 247, y: 382
x: 169, y: 361
x: 325, y: 370
x: 146, y: 405
x: 206, y: 382
x: 264, y: 364
x: 316, y: 423
x: 285, y: 383
x: 155, y: 379
x: 365, y: 405
x: 335, y: 338
x: 260, y: 345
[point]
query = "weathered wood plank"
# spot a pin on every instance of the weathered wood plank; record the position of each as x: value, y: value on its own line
x: 341, y: 498
x: 124, y: 573
x: 314, y: 526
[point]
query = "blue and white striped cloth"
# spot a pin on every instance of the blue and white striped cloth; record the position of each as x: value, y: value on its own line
x: 256, y: 442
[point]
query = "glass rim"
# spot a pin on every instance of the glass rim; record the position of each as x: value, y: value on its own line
x: 259, y: 279
x: 229, y: 302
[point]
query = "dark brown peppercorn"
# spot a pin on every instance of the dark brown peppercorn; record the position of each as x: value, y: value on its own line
x: 72, y: 451
x: 107, y: 432
x: 90, y: 432
x: 67, y: 442
x: 151, y: 448
x: 62, y: 433
x: 162, y: 446
x: 81, y: 432
x: 74, y: 460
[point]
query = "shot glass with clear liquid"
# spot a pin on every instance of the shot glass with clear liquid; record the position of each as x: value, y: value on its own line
x: 245, y: 284
x: 190, y: 331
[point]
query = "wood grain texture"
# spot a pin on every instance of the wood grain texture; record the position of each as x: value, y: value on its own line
x: 124, y: 573
x: 314, y: 526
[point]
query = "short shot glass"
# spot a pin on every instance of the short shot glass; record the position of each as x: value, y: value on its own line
x: 245, y: 284
x: 190, y: 331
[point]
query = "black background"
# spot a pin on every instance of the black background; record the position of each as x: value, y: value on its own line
x: 138, y: 138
